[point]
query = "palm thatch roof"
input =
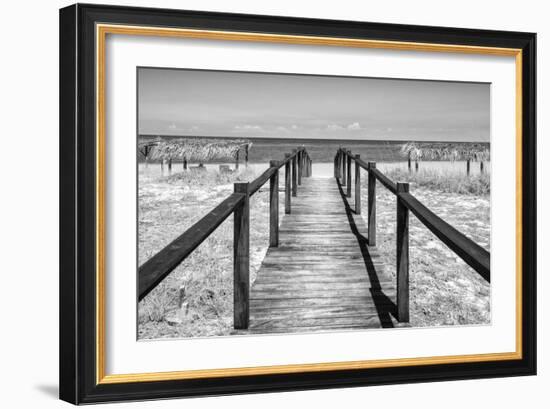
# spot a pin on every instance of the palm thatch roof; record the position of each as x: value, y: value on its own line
x: 476, y: 152
x: 197, y: 149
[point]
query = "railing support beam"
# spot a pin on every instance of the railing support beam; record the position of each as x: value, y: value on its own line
x: 300, y: 164
x: 357, y: 186
x: 349, y: 174
x: 344, y: 171
x: 371, y: 202
x: 402, y: 256
x: 287, y: 184
x: 241, y: 260
x: 294, y: 176
x: 274, y: 206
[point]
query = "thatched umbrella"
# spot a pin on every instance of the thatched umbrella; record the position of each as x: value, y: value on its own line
x: 198, y: 150
x: 468, y: 152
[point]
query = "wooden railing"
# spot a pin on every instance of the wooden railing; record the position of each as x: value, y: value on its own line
x: 297, y: 165
x: 474, y: 255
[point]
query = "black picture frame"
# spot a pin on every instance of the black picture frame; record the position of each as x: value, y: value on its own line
x: 78, y: 360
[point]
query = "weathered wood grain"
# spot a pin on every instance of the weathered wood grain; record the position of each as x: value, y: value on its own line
x: 322, y: 276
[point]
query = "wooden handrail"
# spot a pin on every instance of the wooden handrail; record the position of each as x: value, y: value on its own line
x: 473, y: 254
x: 154, y: 270
x: 257, y: 183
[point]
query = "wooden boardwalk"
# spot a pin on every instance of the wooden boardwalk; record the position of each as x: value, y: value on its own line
x: 322, y: 276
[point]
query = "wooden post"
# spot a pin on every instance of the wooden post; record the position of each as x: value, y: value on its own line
x: 246, y: 155
x: 468, y: 167
x: 481, y: 167
x: 287, y: 184
x: 371, y: 202
x: 274, y: 206
x: 300, y: 163
x: 409, y: 160
x: 237, y: 160
x: 402, y: 256
x: 184, y: 163
x: 349, y: 174
x: 241, y: 260
x: 344, y: 168
x: 357, y: 185
x: 162, y: 165
x: 416, y: 166
x: 170, y: 165
x: 294, y: 178
x: 335, y: 166
x: 338, y: 164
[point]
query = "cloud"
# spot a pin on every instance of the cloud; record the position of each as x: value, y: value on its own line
x: 281, y: 129
x: 172, y: 126
x: 334, y: 127
x: 248, y: 127
x: 354, y: 126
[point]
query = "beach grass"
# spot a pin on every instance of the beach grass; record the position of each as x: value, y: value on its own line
x: 444, y: 290
x: 167, y: 207
x: 444, y: 180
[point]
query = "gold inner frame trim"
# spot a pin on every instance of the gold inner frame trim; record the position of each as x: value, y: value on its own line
x: 101, y: 33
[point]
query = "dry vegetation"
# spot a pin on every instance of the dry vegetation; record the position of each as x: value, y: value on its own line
x: 444, y: 289
x: 167, y: 207
x: 444, y: 181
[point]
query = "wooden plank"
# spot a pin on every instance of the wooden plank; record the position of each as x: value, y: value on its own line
x: 322, y: 293
x: 318, y: 278
x: 292, y: 322
x: 313, y: 302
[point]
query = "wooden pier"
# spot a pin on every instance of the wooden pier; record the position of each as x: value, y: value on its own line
x: 322, y: 270
x: 322, y: 276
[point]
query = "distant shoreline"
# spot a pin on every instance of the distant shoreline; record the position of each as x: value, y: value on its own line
x: 306, y: 140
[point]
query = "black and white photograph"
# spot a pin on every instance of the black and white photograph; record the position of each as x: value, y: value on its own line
x: 279, y: 203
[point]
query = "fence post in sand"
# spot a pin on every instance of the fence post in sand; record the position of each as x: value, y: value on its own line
x: 274, y: 205
x: 294, y: 176
x: 357, y: 185
x: 300, y: 163
x: 349, y: 174
x: 344, y: 168
x: 287, y: 183
x: 402, y: 255
x: 371, y: 202
x: 241, y: 260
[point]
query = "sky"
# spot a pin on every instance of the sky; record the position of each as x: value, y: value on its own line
x: 237, y: 104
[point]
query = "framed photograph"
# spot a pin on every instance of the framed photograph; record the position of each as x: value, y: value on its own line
x: 257, y: 203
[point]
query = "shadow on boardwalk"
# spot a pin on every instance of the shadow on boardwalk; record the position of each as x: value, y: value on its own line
x: 322, y: 276
x: 384, y: 306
